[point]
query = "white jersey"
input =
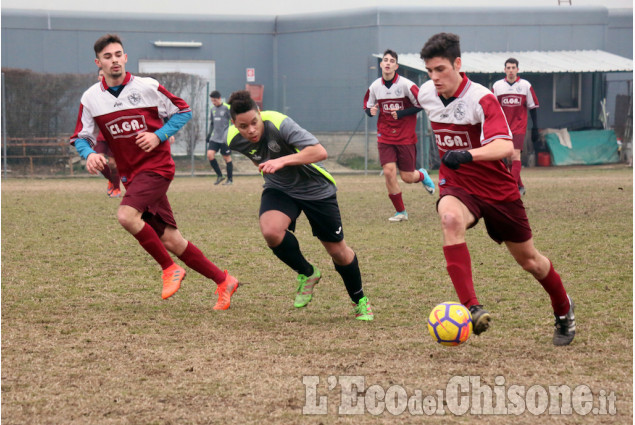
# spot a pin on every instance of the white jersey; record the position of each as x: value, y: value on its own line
x: 470, y: 119
x: 515, y: 99
x: 402, y: 94
x: 140, y: 105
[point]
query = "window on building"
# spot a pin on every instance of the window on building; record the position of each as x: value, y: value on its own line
x: 567, y: 91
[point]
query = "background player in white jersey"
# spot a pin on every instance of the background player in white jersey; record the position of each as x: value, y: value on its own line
x: 130, y: 113
x: 394, y: 99
x: 516, y: 96
x: 219, y: 121
x: 473, y: 138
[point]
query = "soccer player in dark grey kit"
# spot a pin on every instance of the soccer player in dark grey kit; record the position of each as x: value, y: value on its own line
x: 219, y: 121
x: 287, y: 156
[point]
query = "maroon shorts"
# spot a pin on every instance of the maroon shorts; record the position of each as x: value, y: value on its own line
x: 102, y: 147
x: 519, y: 141
x: 405, y: 156
x: 505, y: 221
x: 147, y: 193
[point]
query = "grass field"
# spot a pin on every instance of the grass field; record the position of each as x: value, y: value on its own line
x: 86, y: 338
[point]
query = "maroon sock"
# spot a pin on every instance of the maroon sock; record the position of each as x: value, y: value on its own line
x: 106, y: 172
x: 397, y: 201
x: 196, y: 260
x: 421, y: 176
x: 114, y: 178
x: 553, y: 285
x: 459, y: 266
x: 516, y: 166
x: 150, y: 241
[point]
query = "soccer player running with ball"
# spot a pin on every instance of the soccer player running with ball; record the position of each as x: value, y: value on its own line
x: 393, y: 99
x: 473, y: 138
x: 287, y: 157
x: 130, y: 112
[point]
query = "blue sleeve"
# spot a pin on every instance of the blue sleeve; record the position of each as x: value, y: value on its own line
x: 173, y: 125
x: 83, y: 148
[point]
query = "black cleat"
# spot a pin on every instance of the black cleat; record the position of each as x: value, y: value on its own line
x: 480, y: 319
x: 219, y: 179
x: 565, y: 327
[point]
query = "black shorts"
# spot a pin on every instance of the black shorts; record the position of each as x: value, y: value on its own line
x: 223, y: 148
x: 505, y: 221
x: 323, y: 214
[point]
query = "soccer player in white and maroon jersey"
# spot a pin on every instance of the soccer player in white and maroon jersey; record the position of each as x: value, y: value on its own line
x: 473, y: 138
x: 130, y: 112
x: 394, y: 99
x: 516, y: 96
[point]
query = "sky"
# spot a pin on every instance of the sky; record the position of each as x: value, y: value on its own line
x: 276, y: 7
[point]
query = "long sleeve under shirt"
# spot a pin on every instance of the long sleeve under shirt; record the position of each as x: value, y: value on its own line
x: 402, y: 113
x: 171, y: 126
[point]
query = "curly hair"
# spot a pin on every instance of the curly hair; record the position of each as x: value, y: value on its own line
x: 241, y: 102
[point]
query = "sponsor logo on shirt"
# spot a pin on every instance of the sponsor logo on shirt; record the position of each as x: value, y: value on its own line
x: 273, y: 146
x: 450, y: 140
x: 512, y: 101
x: 127, y: 126
x: 392, y: 105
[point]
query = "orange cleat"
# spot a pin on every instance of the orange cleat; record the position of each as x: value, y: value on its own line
x: 172, y: 278
x: 116, y: 193
x: 225, y: 291
x: 110, y: 188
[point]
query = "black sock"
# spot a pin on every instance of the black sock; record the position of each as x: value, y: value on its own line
x: 352, y: 279
x: 215, y: 166
x: 289, y: 253
x: 230, y: 170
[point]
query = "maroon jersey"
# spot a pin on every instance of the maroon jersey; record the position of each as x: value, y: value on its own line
x: 516, y: 99
x: 401, y: 95
x: 470, y: 120
x: 142, y: 105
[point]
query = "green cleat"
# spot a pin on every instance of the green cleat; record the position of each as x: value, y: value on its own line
x: 362, y: 310
x: 305, y: 288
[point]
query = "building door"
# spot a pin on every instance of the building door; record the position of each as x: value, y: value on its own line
x: 197, y: 98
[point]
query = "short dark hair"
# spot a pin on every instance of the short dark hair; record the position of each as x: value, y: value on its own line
x: 241, y: 102
x: 443, y: 44
x: 512, y: 60
x: 391, y: 53
x: 104, y: 41
x: 215, y: 94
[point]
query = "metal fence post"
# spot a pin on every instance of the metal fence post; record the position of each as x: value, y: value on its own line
x: 4, y: 130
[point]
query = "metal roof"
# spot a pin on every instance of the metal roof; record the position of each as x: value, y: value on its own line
x: 544, y: 62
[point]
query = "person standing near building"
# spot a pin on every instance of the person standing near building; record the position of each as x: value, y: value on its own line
x: 393, y: 99
x: 287, y: 157
x: 130, y: 111
x: 473, y: 138
x: 219, y: 121
x: 516, y: 96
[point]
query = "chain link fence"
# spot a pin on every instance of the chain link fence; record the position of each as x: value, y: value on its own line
x: 39, y: 115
